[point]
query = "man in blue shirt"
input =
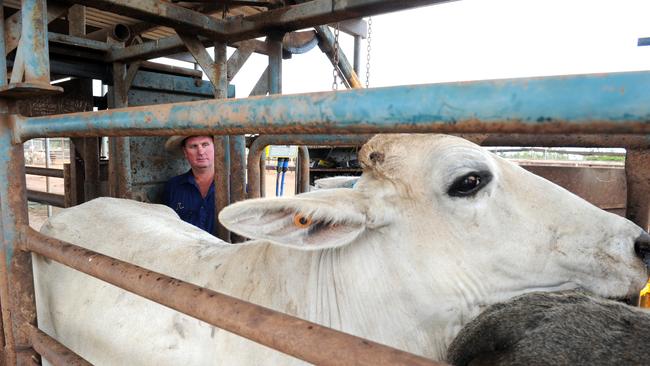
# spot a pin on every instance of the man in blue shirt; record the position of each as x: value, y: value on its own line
x: 191, y: 194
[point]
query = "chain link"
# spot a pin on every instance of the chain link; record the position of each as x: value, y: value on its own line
x: 225, y: 10
x: 368, y: 48
x: 335, y: 59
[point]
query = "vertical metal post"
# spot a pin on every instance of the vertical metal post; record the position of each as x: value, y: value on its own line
x: 221, y: 182
x: 120, y: 162
x: 262, y: 175
x: 237, y: 161
x: 222, y: 148
x: 77, y: 20
x: 237, y: 175
x: 91, y: 168
x: 275, y: 63
x: 357, y: 54
x: 302, y: 170
x: 237, y: 168
x: 3, y: 60
x: 275, y: 87
x: 33, y: 42
x: 90, y: 149
x: 16, y: 266
x: 637, y: 172
x: 48, y: 163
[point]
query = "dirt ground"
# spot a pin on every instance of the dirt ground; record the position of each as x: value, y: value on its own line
x: 38, y: 212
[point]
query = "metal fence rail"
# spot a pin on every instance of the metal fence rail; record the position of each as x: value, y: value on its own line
x: 56, y: 353
x: 586, y: 104
x: 46, y: 198
x: 45, y: 172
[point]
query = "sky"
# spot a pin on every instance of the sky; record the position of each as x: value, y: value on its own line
x: 482, y: 39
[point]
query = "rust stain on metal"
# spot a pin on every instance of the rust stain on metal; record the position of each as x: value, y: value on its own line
x: 637, y: 172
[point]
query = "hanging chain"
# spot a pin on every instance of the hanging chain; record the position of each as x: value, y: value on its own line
x: 225, y: 10
x: 368, y: 48
x: 335, y: 59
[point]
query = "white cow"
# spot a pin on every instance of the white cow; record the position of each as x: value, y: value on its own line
x: 435, y: 230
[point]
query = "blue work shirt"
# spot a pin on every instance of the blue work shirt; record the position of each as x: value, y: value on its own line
x: 182, y: 194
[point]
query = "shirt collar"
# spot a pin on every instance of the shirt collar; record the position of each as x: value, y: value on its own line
x: 188, y: 178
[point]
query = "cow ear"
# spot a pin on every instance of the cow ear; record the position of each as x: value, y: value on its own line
x: 315, y: 220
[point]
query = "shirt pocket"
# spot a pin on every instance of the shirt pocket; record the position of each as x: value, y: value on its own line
x: 182, y: 211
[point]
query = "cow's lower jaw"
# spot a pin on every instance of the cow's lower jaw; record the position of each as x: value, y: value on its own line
x: 619, y: 289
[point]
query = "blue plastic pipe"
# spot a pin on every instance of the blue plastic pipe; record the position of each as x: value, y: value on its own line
x: 285, y: 166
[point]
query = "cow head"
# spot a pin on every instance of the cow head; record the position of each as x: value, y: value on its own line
x: 454, y: 214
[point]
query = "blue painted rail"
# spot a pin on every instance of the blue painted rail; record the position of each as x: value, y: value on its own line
x: 608, y: 103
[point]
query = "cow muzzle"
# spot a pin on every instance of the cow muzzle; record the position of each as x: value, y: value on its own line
x: 642, y: 248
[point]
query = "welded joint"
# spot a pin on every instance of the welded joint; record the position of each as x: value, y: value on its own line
x: 211, y: 68
x: 22, y: 235
x: 131, y: 71
x: 124, y: 86
x: 15, y: 124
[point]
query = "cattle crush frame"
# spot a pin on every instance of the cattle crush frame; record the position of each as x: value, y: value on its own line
x: 586, y: 110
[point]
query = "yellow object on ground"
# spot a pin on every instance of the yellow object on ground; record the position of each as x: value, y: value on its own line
x: 644, y: 296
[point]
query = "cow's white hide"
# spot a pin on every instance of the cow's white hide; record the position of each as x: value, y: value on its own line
x: 402, y: 259
x: 335, y: 182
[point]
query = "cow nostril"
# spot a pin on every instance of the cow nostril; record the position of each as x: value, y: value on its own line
x: 642, y: 246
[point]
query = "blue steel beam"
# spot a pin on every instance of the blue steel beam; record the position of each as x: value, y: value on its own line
x: 3, y: 60
x: 34, y: 40
x: 614, y: 103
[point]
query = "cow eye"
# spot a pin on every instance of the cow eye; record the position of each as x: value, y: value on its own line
x: 469, y: 184
x: 301, y: 221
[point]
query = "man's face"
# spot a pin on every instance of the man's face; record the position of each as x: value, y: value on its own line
x: 199, y: 151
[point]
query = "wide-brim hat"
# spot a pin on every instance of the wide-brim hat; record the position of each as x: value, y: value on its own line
x: 174, y: 144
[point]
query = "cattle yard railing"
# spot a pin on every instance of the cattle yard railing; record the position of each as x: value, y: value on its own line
x: 45, y: 197
x: 401, y: 109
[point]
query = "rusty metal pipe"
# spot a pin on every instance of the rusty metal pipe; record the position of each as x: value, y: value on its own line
x: 221, y: 183
x: 47, y: 198
x: 262, y: 178
x: 256, y: 149
x: 16, y: 280
x: 119, y: 32
x: 53, y: 351
x: 637, y: 174
x: 45, y: 172
x: 237, y: 168
x: 584, y: 104
x: 299, y: 338
x: 303, y: 170
x: 91, y: 168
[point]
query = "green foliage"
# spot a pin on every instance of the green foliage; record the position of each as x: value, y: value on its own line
x: 604, y: 158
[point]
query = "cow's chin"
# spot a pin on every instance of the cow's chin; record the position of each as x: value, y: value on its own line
x: 616, y: 291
